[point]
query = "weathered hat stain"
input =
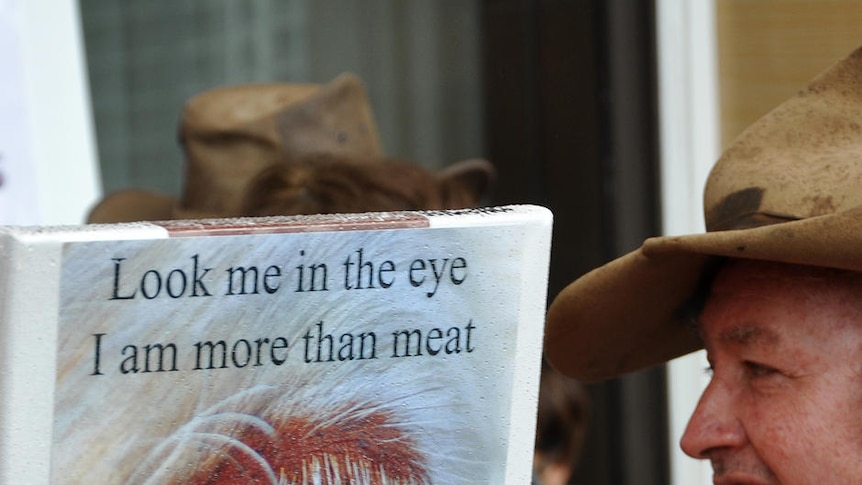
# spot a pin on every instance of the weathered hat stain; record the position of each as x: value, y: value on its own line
x: 727, y: 213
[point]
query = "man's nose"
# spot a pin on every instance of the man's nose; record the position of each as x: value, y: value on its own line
x: 714, y: 425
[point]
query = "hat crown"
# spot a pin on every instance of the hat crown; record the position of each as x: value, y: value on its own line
x: 803, y: 159
x: 230, y: 134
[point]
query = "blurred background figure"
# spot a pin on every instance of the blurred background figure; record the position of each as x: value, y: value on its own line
x: 561, y: 427
x: 287, y: 149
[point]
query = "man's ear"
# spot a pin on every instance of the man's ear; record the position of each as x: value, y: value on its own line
x: 467, y: 183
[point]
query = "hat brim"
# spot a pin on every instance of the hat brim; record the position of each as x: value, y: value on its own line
x: 133, y: 206
x: 629, y: 314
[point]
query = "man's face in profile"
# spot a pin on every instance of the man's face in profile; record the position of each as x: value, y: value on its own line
x: 785, y: 401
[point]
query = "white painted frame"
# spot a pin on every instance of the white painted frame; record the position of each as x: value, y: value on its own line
x: 689, y: 138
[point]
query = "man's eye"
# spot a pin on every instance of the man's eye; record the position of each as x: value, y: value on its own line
x: 754, y: 369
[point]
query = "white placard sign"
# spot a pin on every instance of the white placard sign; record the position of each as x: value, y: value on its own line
x: 396, y: 348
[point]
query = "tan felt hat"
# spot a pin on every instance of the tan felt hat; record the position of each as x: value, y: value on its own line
x: 230, y: 134
x: 788, y: 189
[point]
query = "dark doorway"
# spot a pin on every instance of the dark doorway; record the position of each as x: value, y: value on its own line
x: 571, y: 123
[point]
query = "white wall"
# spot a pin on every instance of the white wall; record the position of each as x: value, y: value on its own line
x: 47, y: 150
x: 689, y: 132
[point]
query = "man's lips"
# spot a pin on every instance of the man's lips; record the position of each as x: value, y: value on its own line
x: 737, y: 477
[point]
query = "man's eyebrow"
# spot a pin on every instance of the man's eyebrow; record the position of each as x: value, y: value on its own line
x: 746, y: 334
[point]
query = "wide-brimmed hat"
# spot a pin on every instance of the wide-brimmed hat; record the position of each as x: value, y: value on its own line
x: 788, y: 189
x: 231, y: 135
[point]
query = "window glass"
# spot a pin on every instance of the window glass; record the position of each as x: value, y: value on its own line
x: 419, y: 61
